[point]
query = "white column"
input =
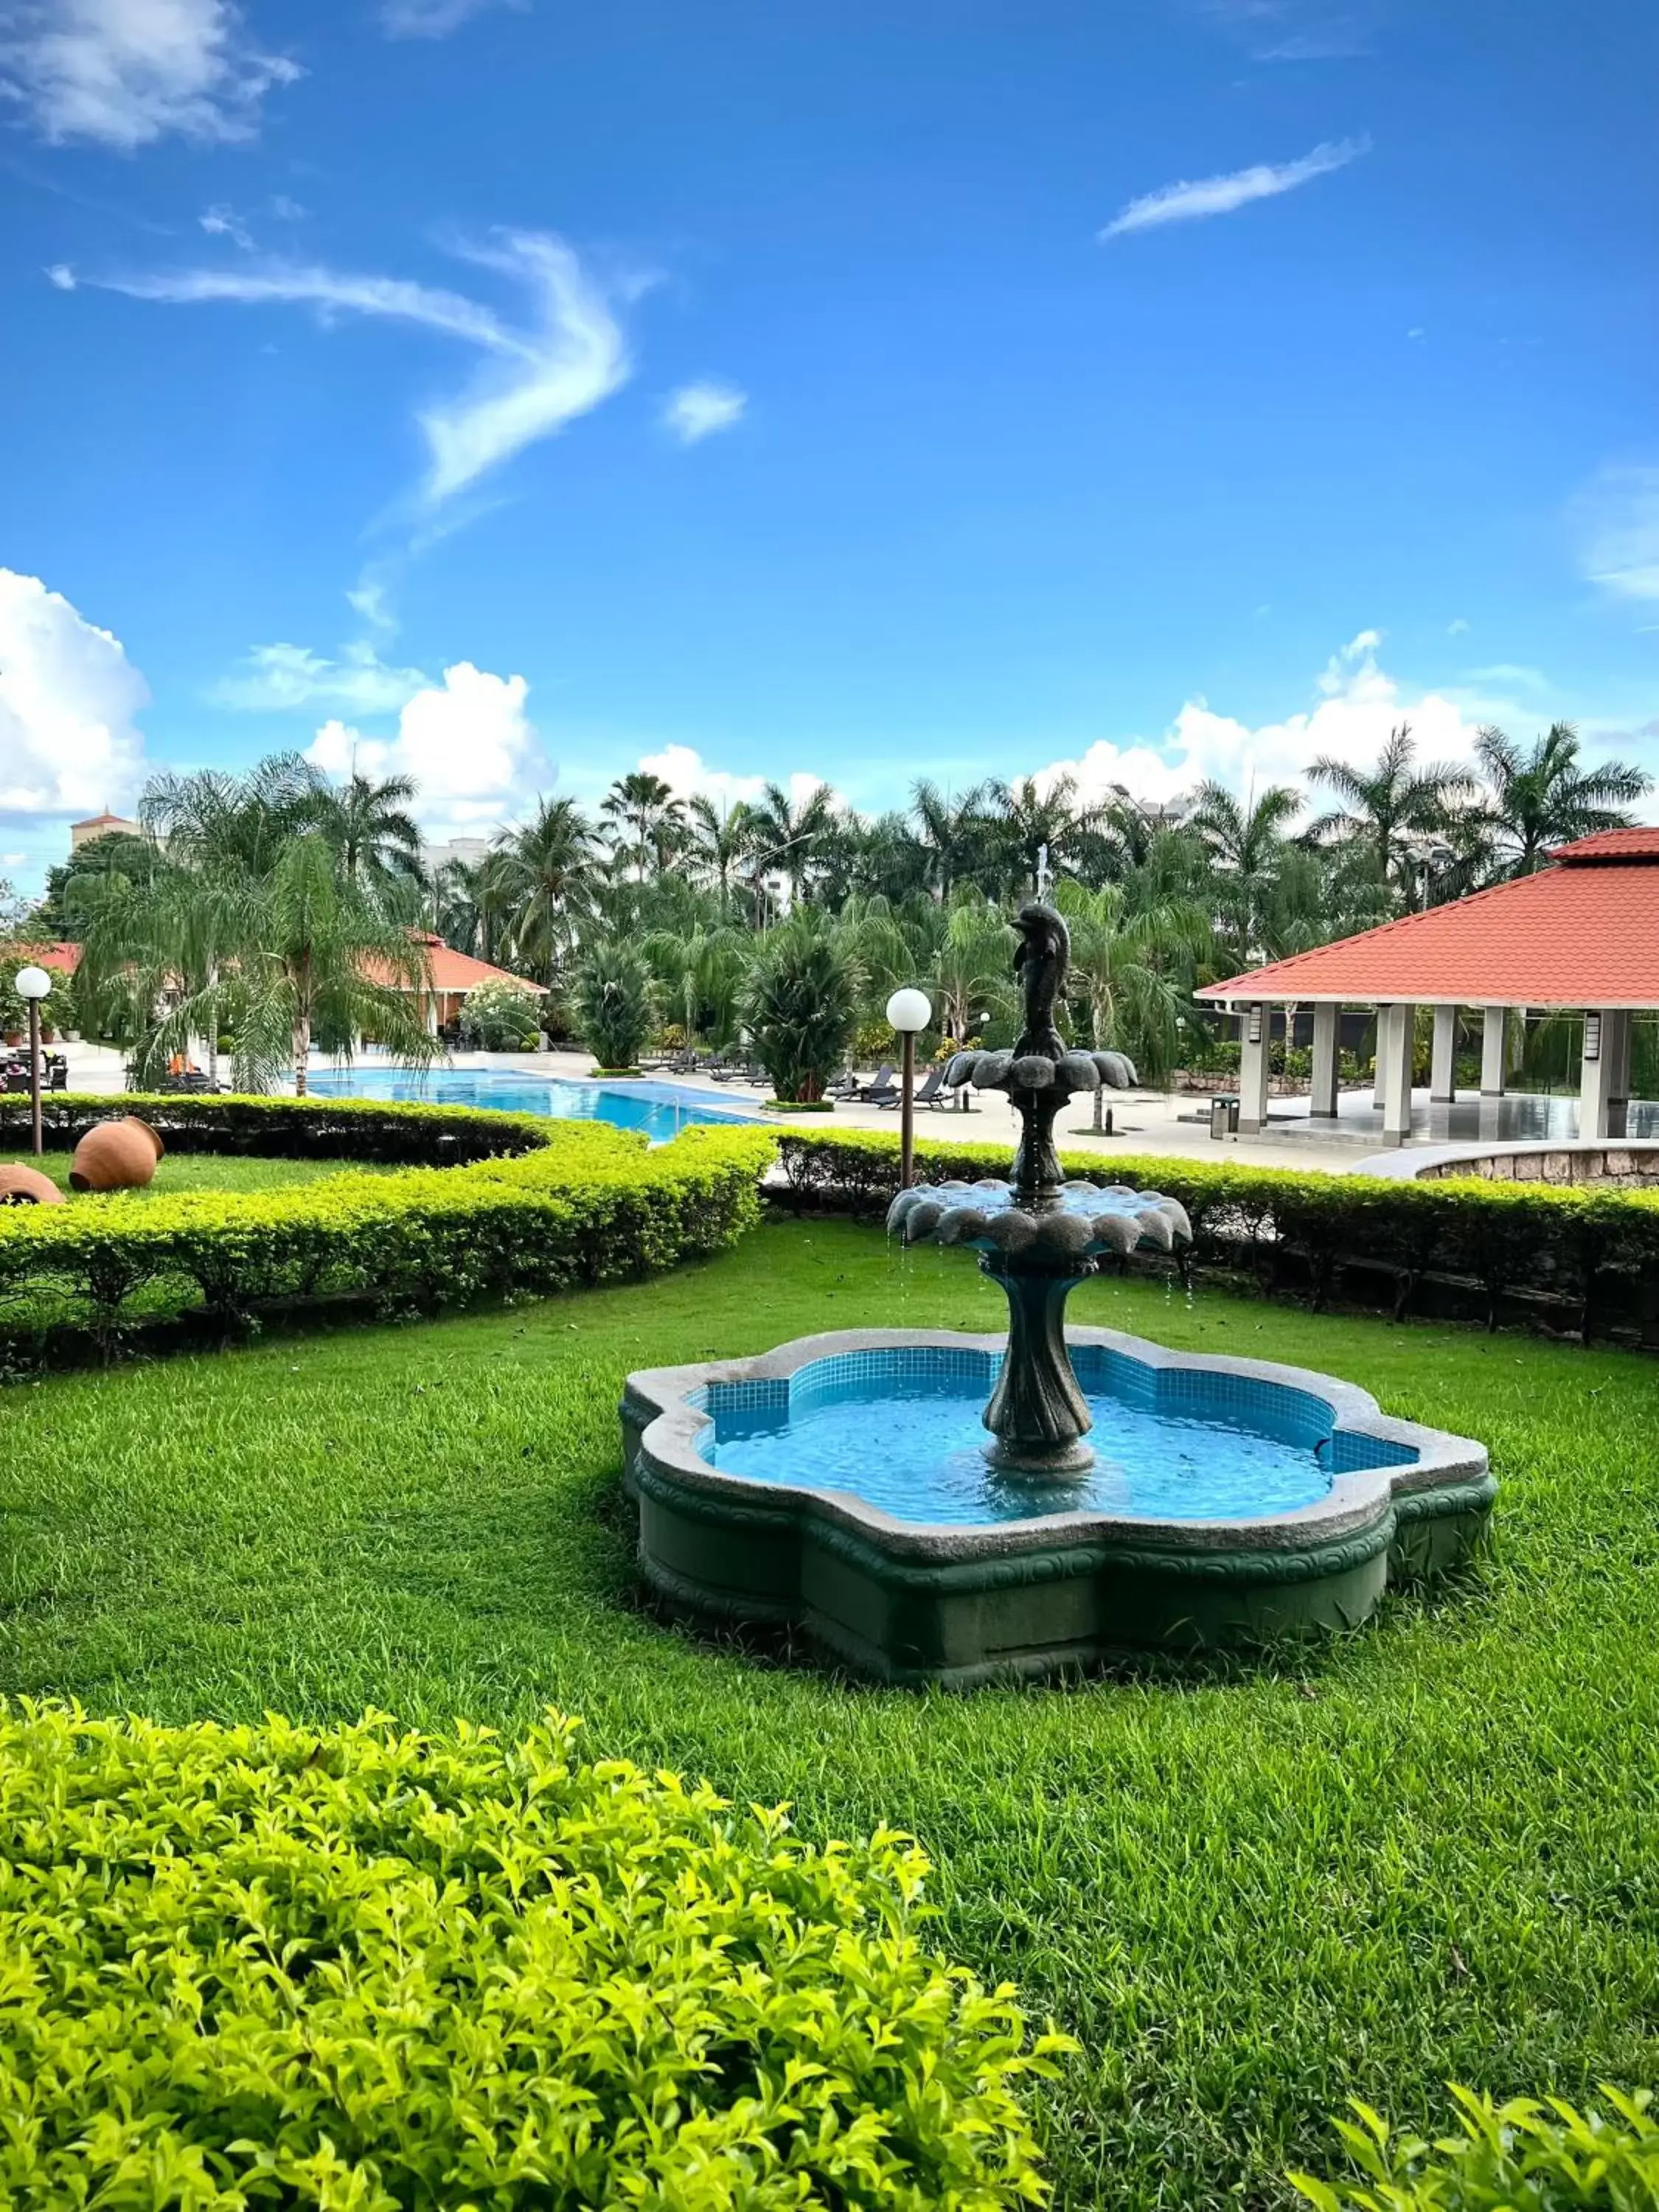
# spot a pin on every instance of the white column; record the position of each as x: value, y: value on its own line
x: 1394, y: 1043
x: 1493, y: 1072
x: 1619, y: 1022
x: 1321, y: 1103
x: 1442, y: 1070
x: 432, y: 1013
x: 1254, y: 1027
x: 1377, y: 1084
x: 1600, y: 1054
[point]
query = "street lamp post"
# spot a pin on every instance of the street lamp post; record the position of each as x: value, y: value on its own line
x: 909, y: 1011
x: 34, y: 984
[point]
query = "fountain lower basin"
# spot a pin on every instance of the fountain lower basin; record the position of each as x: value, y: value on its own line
x: 836, y: 1486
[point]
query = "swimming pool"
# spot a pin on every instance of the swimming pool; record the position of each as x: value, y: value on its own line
x: 661, y: 1110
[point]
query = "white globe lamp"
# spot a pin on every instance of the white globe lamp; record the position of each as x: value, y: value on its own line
x: 33, y: 983
x: 909, y: 1011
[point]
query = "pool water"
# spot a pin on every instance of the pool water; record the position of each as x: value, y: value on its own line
x: 913, y: 1444
x: 661, y: 1110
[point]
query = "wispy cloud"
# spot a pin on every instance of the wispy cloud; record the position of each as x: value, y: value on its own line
x: 1615, y: 518
x: 1193, y: 201
x: 222, y: 221
x: 123, y: 73
x: 279, y: 679
x: 567, y: 357
x: 432, y: 19
x: 697, y: 410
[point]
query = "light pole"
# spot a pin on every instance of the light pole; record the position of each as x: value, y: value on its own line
x: 909, y: 1011
x: 34, y: 984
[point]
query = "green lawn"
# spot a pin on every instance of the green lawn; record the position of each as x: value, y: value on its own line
x: 181, y: 1171
x: 1428, y: 1852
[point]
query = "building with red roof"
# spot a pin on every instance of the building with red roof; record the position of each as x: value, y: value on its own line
x: 1582, y: 934
x: 450, y: 975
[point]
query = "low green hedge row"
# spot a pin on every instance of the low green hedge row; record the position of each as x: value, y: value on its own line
x: 286, y: 1128
x: 366, y: 1970
x: 590, y: 1204
x: 1585, y: 1245
x: 1522, y: 2156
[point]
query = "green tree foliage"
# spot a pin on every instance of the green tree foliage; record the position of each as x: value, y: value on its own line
x: 1543, y: 796
x: 801, y: 1008
x: 611, y: 1001
x: 500, y: 1016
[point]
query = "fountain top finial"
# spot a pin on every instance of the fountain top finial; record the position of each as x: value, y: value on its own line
x: 1040, y: 962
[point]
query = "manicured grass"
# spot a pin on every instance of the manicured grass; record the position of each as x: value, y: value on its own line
x: 1426, y: 1852
x: 181, y: 1171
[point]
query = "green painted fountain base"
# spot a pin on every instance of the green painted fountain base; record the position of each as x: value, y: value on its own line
x: 905, y: 1603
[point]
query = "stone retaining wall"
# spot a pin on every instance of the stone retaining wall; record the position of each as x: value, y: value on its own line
x: 1624, y: 1166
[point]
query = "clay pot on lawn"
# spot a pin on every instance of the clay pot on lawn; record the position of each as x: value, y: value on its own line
x: 21, y: 1186
x: 116, y: 1156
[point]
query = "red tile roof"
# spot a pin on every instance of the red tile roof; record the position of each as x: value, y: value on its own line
x: 1584, y: 933
x: 61, y: 958
x: 458, y: 971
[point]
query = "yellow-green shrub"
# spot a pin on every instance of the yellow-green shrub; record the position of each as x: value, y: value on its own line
x: 1569, y: 1242
x: 589, y: 1204
x: 1522, y: 2156
x: 372, y: 1971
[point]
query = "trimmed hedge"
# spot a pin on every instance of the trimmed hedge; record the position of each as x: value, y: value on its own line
x: 286, y: 1128
x: 1522, y: 2156
x: 553, y: 1206
x: 1595, y: 1251
x: 368, y: 1970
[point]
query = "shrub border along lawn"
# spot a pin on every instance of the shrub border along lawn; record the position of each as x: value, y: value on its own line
x: 532, y: 1206
x: 1594, y: 1253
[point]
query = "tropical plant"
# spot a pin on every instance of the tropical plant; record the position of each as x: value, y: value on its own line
x: 611, y: 1000
x: 1542, y: 797
x: 785, y: 834
x: 498, y: 1015
x: 467, y: 908
x: 953, y: 833
x: 800, y: 1006
x: 1034, y: 820
x: 1389, y: 808
x: 646, y: 820
x: 973, y: 971
x: 718, y: 841
x: 542, y: 874
x: 1133, y: 975
x: 377, y: 841
x: 1246, y: 839
x: 700, y: 975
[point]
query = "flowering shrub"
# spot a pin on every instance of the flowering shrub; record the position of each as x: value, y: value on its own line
x: 368, y: 1970
x: 501, y: 1017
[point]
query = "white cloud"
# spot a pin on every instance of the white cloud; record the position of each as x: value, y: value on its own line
x: 431, y: 19
x: 286, y: 209
x: 1417, y: 333
x: 1510, y: 672
x: 1616, y: 519
x: 1359, y: 704
x: 1191, y: 202
x: 568, y: 357
x: 69, y: 744
x: 281, y: 678
x: 1456, y: 628
x: 61, y: 276
x: 696, y: 411
x: 467, y: 742
x: 222, y: 221
x: 370, y: 598
x: 123, y: 73
x: 687, y: 774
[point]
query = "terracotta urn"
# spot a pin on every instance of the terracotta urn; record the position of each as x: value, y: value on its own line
x: 116, y: 1156
x: 21, y: 1186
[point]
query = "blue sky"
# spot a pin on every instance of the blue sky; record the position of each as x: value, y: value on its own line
x: 854, y: 391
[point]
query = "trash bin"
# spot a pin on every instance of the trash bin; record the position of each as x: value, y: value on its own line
x: 1224, y: 1117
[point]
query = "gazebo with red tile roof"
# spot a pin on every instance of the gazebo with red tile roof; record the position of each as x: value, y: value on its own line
x: 1582, y: 934
x: 450, y: 975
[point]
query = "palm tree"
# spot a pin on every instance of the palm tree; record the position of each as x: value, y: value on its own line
x: 718, y: 840
x: 951, y: 831
x: 973, y: 974
x: 1033, y: 820
x: 645, y: 807
x: 238, y: 822
x: 377, y: 843
x: 543, y: 875
x: 700, y: 974
x: 1134, y: 972
x: 785, y: 834
x: 467, y: 907
x: 1389, y: 807
x: 1543, y: 798
x: 1246, y: 841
